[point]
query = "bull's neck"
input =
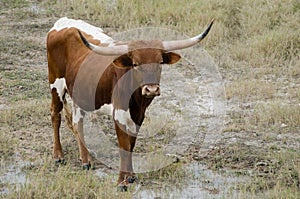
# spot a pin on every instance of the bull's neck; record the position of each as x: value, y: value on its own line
x: 137, y: 106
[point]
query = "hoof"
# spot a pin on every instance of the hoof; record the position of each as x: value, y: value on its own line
x: 132, y: 179
x: 122, y: 188
x: 60, y: 162
x: 86, y: 166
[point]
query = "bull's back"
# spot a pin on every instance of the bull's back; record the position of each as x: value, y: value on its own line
x: 65, y: 48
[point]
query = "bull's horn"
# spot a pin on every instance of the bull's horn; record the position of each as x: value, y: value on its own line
x: 109, y: 50
x: 180, y: 44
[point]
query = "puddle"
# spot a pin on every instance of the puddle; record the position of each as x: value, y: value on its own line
x: 200, y: 183
x: 12, y: 174
x: 204, y: 184
x: 4, y: 106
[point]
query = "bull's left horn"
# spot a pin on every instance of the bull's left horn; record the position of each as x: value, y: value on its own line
x: 109, y: 50
x: 181, y: 44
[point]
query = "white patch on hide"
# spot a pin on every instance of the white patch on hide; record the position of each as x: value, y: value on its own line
x: 124, y: 118
x: 106, y: 109
x: 60, y: 86
x: 76, y: 114
x: 96, y: 32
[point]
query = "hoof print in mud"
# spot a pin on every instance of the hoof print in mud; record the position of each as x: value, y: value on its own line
x: 86, y: 166
x: 122, y: 188
x: 60, y: 162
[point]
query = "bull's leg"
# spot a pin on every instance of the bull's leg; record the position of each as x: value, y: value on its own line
x: 78, y: 116
x: 56, y: 107
x: 126, y: 145
x: 84, y: 153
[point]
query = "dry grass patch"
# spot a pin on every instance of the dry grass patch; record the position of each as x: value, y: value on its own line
x: 276, y: 114
x: 7, y: 149
x: 23, y: 84
x: 272, y: 170
x: 248, y: 90
x: 172, y: 174
x: 23, y: 115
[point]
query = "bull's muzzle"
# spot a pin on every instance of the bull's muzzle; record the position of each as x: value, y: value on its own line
x: 151, y: 90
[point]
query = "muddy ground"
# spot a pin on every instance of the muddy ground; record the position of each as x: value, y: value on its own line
x: 216, y: 131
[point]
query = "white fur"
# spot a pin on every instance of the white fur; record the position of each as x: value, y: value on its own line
x: 60, y: 85
x: 76, y: 114
x: 96, y: 32
x: 106, y: 109
x: 124, y: 118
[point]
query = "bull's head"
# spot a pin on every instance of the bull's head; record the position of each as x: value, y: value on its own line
x: 144, y: 59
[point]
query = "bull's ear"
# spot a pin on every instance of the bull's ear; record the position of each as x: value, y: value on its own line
x: 170, y: 58
x: 123, y: 61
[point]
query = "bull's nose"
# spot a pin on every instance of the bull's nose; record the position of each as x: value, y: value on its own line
x: 151, y: 90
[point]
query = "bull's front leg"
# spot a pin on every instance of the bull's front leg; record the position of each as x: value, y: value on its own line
x: 126, y: 144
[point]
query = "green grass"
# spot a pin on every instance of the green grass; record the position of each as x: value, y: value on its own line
x: 14, y: 3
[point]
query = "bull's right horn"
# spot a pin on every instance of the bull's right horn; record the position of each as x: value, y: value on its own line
x: 181, y: 44
x: 108, y: 50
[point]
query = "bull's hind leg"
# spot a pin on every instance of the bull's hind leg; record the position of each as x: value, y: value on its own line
x: 56, y: 108
x: 75, y: 122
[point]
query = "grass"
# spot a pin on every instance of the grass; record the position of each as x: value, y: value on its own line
x: 277, y: 171
x: 23, y: 84
x: 7, y: 146
x: 21, y: 116
x: 64, y: 182
x: 276, y: 113
x: 254, y: 43
x: 172, y: 175
x: 247, y: 90
x: 14, y: 3
x: 49, y: 181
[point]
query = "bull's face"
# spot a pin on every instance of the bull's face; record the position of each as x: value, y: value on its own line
x: 144, y: 66
x: 147, y: 74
